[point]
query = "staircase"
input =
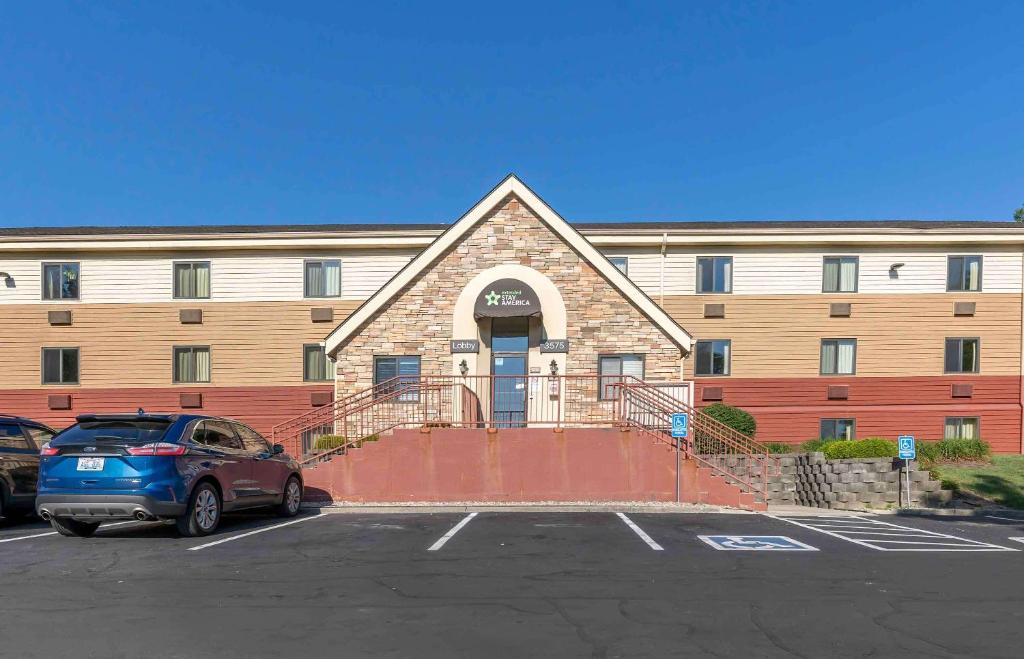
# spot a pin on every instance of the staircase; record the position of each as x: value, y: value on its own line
x: 717, y: 464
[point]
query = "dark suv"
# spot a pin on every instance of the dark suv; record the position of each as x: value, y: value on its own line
x: 183, y: 467
x: 20, y: 441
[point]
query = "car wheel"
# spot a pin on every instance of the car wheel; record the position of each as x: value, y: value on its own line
x: 291, y: 502
x: 74, y: 528
x: 203, y: 513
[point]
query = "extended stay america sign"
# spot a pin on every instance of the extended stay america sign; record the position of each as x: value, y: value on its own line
x: 505, y: 298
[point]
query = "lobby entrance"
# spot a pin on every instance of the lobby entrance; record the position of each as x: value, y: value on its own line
x: 510, y: 345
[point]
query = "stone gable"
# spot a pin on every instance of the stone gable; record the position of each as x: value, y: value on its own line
x: 418, y: 321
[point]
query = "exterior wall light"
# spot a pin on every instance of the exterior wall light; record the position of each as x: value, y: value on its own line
x: 8, y: 279
x: 463, y: 368
x: 894, y: 270
x: 554, y: 367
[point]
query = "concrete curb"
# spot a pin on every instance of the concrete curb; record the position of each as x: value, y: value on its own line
x: 531, y: 507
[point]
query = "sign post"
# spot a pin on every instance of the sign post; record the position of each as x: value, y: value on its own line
x: 908, y: 452
x: 680, y: 430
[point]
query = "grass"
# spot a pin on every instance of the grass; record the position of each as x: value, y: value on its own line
x: 1001, y: 481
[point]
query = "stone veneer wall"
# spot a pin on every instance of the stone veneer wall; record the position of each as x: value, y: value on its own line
x: 419, y: 320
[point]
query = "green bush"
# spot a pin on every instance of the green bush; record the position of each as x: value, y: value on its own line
x: 875, y: 447
x: 953, y: 450
x: 328, y: 442
x: 737, y: 419
x: 814, y: 445
x: 780, y: 447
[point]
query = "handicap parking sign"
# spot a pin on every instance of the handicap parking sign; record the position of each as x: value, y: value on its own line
x: 755, y: 543
x: 680, y: 425
x: 908, y: 451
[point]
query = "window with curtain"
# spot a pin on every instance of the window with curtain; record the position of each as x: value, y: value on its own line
x: 60, y: 281
x: 714, y: 274
x: 963, y: 273
x: 316, y: 367
x: 613, y: 369
x: 60, y: 365
x: 837, y: 429
x: 962, y: 427
x: 620, y: 262
x: 323, y: 278
x: 963, y: 355
x: 713, y: 357
x: 838, y: 356
x: 839, y: 274
x: 405, y: 368
x: 192, y: 280
x: 191, y: 364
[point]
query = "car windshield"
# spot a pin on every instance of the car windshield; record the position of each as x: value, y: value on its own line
x: 118, y: 431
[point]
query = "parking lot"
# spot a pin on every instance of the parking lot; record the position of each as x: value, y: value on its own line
x: 505, y: 584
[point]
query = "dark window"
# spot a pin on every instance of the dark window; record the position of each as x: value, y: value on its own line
x: 614, y: 369
x: 406, y: 369
x: 838, y: 429
x: 252, y: 440
x: 838, y: 356
x: 192, y: 280
x: 839, y: 274
x: 962, y: 427
x: 39, y: 435
x: 713, y: 357
x: 963, y: 273
x: 12, y: 437
x: 217, y: 434
x: 714, y: 274
x: 191, y: 364
x: 963, y: 355
x: 316, y: 367
x: 323, y: 278
x: 60, y: 365
x: 60, y: 281
x: 129, y: 431
x: 620, y: 262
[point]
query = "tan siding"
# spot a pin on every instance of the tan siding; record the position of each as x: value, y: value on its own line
x: 779, y: 336
x: 252, y: 343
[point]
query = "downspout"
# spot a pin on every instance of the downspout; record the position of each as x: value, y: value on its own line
x: 664, y: 250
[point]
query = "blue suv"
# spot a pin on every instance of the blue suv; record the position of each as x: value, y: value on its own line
x: 184, y: 467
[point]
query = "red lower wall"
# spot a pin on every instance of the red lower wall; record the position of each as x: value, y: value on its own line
x: 260, y: 407
x: 789, y: 409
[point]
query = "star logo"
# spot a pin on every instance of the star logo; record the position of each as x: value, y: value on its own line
x: 492, y: 299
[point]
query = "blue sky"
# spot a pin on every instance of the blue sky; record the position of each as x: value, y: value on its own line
x: 180, y: 113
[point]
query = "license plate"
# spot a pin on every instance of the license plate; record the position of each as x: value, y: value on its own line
x: 90, y: 464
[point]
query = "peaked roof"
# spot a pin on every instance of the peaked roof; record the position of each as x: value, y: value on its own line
x: 509, y: 185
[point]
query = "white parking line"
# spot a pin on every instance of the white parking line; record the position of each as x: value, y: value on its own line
x: 448, y: 536
x: 260, y: 530
x: 859, y: 533
x: 43, y: 535
x: 1008, y: 519
x: 640, y: 532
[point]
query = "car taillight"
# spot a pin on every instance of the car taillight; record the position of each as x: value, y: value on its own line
x: 48, y: 450
x: 159, y: 448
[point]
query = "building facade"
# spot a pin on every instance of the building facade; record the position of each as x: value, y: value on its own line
x: 836, y: 329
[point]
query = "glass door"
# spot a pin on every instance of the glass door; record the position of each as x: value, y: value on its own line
x: 510, y: 344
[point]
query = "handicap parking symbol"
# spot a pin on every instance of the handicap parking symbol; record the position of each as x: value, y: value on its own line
x: 755, y: 543
x: 680, y: 425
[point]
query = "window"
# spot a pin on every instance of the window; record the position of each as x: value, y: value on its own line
x: 316, y: 367
x: 60, y: 365
x: 407, y: 369
x: 39, y: 435
x: 191, y: 364
x: 323, y: 278
x: 12, y: 437
x: 60, y: 281
x: 838, y: 356
x: 837, y: 429
x: 714, y: 274
x: 839, y: 274
x: 614, y: 369
x: 192, y: 280
x: 620, y: 262
x: 216, y: 434
x: 963, y: 273
x: 963, y: 355
x: 962, y: 427
x: 251, y: 440
x: 713, y: 357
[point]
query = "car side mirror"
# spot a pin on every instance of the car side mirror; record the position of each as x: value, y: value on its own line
x: 277, y: 449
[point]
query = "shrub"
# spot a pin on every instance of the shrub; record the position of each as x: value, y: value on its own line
x: 328, y: 442
x: 953, y: 449
x: 814, y: 445
x: 875, y: 447
x: 779, y: 447
x: 737, y: 419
